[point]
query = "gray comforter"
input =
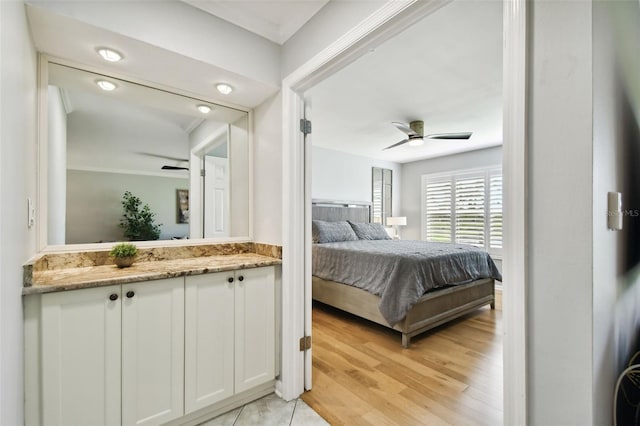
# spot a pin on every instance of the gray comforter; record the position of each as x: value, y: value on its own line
x: 400, y: 272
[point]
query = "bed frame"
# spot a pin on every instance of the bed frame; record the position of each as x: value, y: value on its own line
x: 432, y: 309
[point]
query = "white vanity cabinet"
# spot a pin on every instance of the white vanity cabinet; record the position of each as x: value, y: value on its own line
x: 152, y: 352
x: 80, y: 358
x: 209, y: 339
x: 167, y: 351
x: 254, y: 327
x: 230, y: 334
x: 113, y: 355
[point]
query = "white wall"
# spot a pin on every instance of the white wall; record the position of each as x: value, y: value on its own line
x: 607, y: 176
x: 616, y: 291
x: 412, y: 181
x: 56, y: 166
x: 94, y: 206
x: 346, y: 177
x: 18, y: 82
x: 267, y: 171
x: 559, y: 291
x: 178, y: 27
x: 239, y: 176
x: 328, y: 25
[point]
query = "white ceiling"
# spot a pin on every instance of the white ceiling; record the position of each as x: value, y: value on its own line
x: 67, y: 38
x: 274, y: 20
x: 445, y: 70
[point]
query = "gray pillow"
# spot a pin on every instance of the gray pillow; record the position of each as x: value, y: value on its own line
x: 332, y: 232
x: 370, y: 231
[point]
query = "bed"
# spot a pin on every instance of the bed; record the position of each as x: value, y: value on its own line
x: 409, y: 286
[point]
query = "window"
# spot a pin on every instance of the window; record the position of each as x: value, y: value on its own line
x: 464, y: 207
x: 381, y: 181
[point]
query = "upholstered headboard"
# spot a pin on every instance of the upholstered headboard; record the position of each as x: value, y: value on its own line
x: 334, y: 211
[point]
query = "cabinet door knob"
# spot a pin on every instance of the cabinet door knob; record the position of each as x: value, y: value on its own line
x: 230, y: 279
x: 240, y: 278
x: 113, y: 297
x: 130, y: 294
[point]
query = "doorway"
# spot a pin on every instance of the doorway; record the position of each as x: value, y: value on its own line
x: 443, y: 80
x: 383, y: 26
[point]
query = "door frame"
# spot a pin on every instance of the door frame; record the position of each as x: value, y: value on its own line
x: 386, y: 22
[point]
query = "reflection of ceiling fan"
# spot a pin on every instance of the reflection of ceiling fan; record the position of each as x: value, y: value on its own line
x: 165, y: 167
x: 416, y: 136
x: 167, y: 157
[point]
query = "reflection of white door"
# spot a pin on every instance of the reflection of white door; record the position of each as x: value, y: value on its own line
x: 216, y: 197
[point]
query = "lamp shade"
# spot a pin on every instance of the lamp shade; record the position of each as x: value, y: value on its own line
x: 397, y: 221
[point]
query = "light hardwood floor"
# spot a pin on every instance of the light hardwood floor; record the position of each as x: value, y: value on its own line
x: 451, y: 375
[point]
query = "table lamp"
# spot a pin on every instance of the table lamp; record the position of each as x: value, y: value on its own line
x: 396, y: 221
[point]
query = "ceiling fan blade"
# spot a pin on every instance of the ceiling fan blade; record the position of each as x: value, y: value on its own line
x: 462, y: 135
x: 174, y: 168
x: 404, y: 128
x: 396, y: 144
x: 165, y: 157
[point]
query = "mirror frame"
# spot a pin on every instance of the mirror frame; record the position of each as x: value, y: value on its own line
x: 42, y: 156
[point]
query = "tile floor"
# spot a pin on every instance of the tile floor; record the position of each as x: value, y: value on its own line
x: 270, y: 411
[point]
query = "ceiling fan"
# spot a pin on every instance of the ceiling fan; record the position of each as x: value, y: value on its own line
x: 165, y: 167
x: 167, y: 157
x: 416, y: 136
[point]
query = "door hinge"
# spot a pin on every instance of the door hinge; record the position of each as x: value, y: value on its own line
x: 305, y: 126
x: 203, y: 173
x: 305, y: 343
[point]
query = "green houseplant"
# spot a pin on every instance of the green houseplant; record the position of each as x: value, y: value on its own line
x: 123, y: 254
x: 138, y: 221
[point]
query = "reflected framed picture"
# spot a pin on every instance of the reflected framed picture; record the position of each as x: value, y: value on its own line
x: 182, y: 205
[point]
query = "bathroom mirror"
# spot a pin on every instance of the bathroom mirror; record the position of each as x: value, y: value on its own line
x: 187, y: 159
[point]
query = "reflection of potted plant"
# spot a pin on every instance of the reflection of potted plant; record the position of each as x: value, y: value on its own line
x: 137, y: 220
x: 124, y: 254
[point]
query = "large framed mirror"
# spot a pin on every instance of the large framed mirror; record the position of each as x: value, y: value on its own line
x: 188, y: 159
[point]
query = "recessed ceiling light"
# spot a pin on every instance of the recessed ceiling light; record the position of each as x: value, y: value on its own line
x: 224, y: 88
x: 416, y: 142
x: 109, y: 54
x: 106, y: 85
x: 204, y: 109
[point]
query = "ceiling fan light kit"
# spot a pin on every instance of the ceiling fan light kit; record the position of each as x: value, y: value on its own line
x: 415, y: 134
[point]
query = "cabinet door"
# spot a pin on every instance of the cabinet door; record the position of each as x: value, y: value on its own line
x: 209, y: 339
x: 81, y: 357
x: 255, y: 327
x: 152, y: 351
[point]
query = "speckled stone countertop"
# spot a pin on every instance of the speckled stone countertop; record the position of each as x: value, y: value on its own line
x: 71, y: 271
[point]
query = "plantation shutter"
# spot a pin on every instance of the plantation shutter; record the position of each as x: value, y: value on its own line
x: 464, y: 207
x: 377, y: 201
x: 381, y: 194
x: 470, y: 210
x: 495, y: 209
x: 438, y: 208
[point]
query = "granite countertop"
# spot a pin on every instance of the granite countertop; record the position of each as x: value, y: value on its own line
x: 46, y: 280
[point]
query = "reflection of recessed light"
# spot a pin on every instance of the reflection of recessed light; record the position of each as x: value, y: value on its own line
x: 204, y: 109
x: 224, y: 88
x: 416, y: 142
x: 106, y: 85
x: 109, y: 54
